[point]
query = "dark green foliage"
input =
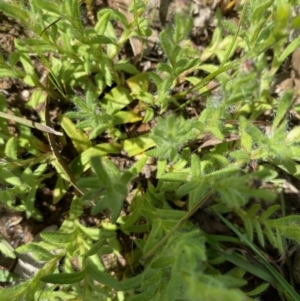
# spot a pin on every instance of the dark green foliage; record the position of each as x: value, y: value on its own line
x: 207, y: 165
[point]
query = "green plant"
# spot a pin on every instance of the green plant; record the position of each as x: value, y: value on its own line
x: 171, y: 258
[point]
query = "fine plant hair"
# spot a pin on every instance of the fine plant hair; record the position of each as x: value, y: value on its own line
x: 171, y: 257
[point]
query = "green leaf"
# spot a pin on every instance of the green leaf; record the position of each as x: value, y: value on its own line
x: 260, y: 10
x: 123, y: 117
x: 114, y: 15
x: 101, y: 25
x: 259, y: 232
x: 163, y: 67
x: 248, y: 227
x: 137, y: 167
x: 82, y: 162
x: 258, y: 290
x: 6, y: 276
x: 109, y: 188
x: 253, y: 267
x: 162, y: 261
x: 48, y: 6
x: 28, y: 45
x: 271, y: 236
x: 38, y: 252
x: 11, y: 148
x: 188, y: 187
x: 138, y: 145
x: 37, y: 97
x: 116, y: 100
x: 71, y: 9
x: 9, y: 177
x: 281, y: 21
x: 183, y: 26
x: 15, y: 11
x: 79, y: 139
x: 289, y: 166
x: 170, y: 48
x: 16, y: 292
x: 6, y: 248
x: 103, y: 277
x: 268, y: 213
x: 30, y: 201
x: 290, y: 48
x: 58, y: 238
x: 64, y: 278
x: 175, y: 176
x: 293, y: 135
x: 126, y: 67
x: 284, y: 105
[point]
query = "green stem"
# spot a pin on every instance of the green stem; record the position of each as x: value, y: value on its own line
x: 164, y: 240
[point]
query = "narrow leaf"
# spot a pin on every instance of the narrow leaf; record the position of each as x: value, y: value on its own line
x: 64, y: 278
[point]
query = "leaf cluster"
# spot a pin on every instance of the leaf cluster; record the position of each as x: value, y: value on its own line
x: 180, y: 260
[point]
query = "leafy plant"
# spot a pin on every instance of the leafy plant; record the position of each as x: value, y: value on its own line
x: 208, y: 164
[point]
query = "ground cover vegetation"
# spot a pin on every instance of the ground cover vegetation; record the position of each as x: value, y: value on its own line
x: 199, y: 209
